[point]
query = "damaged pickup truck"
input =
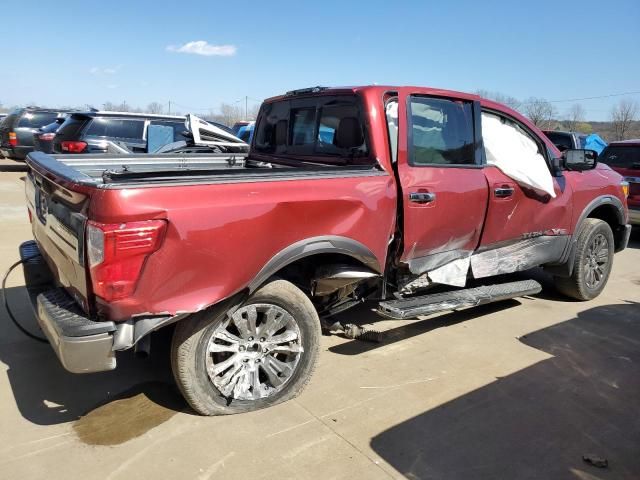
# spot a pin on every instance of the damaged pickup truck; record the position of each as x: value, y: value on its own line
x: 411, y: 197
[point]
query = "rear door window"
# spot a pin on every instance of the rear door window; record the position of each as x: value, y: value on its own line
x: 116, y: 128
x: 37, y: 119
x: 440, y: 132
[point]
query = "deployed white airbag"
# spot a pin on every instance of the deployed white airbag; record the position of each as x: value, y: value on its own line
x: 515, y: 154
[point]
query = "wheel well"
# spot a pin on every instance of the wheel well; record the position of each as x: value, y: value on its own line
x: 301, y: 272
x: 609, y: 214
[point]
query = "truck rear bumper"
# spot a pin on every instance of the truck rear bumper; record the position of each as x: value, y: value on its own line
x: 81, y: 344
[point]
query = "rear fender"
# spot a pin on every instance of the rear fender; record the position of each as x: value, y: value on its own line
x: 313, y: 246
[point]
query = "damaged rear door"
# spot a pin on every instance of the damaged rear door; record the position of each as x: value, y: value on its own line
x: 444, y: 189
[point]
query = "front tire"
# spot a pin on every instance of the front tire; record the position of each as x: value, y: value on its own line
x: 261, y: 354
x: 592, y: 263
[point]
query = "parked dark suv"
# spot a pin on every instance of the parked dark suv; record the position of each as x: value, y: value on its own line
x: 17, y: 129
x: 624, y: 158
x: 102, y: 132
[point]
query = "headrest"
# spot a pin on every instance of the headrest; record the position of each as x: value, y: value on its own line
x: 349, y: 133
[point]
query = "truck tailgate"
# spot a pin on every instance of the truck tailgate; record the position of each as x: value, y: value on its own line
x: 58, y: 217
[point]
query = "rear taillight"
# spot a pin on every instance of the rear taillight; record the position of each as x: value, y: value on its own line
x: 117, y: 252
x: 73, y: 147
x: 13, y: 139
x: 46, y: 136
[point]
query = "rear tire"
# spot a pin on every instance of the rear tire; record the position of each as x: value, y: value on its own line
x: 592, y: 263
x: 261, y: 354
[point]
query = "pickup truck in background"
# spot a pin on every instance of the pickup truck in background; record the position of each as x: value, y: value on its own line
x: 379, y: 193
x: 624, y: 157
x: 575, y: 140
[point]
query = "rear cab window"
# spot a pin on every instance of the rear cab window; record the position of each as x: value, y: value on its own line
x: 323, y: 129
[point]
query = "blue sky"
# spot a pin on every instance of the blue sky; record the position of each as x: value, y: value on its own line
x: 83, y: 52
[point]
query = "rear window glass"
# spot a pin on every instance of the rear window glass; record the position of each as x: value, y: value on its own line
x: 625, y: 157
x: 37, y: 119
x: 52, y: 127
x: 70, y: 129
x: 178, y: 128
x: 116, y: 128
x: 304, y: 124
x: 322, y: 126
x: 560, y: 140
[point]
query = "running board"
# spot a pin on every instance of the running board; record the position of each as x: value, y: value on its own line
x: 469, y: 297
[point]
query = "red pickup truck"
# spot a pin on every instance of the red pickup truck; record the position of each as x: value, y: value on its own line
x: 392, y: 194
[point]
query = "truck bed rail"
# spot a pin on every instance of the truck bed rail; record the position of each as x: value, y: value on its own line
x: 96, y: 169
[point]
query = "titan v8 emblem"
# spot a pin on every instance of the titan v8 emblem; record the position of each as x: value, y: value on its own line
x: 551, y: 232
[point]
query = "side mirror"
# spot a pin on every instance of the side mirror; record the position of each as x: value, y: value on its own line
x: 580, y: 160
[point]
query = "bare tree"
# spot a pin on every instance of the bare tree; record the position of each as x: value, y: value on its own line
x: 507, y: 100
x: 155, y: 107
x: 622, y: 116
x: 227, y: 115
x: 575, y: 116
x: 540, y: 111
x: 109, y: 107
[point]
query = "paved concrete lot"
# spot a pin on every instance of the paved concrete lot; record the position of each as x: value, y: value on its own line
x: 519, y: 389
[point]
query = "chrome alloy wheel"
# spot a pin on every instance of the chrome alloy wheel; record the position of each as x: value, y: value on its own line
x: 254, y: 352
x: 596, y: 261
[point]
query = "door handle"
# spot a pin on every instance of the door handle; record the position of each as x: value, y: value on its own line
x: 422, y: 197
x: 504, y: 192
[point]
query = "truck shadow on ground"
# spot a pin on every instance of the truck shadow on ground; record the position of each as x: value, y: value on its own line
x: 540, y: 421
x: 46, y: 394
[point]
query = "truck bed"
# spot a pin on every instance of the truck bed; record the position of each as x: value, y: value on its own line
x: 220, y: 216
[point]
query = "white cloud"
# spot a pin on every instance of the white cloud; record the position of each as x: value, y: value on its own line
x: 112, y: 86
x: 105, y: 70
x: 200, y: 47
